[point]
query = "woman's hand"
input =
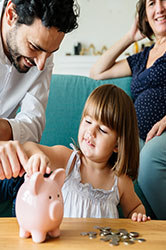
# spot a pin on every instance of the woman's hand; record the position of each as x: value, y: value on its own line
x: 134, y: 32
x: 38, y: 162
x: 12, y: 159
x: 140, y: 217
x: 157, y: 129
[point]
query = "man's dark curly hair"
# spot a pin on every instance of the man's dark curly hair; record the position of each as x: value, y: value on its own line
x: 61, y: 14
x: 143, y: 24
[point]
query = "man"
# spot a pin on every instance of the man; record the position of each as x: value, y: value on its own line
x: 30, y: 32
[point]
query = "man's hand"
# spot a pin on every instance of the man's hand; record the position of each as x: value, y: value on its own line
x: 12, y: 159
x: 5, y: 130
x: 157, y: 129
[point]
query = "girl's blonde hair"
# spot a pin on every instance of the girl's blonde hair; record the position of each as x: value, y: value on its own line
x: 113, y: 107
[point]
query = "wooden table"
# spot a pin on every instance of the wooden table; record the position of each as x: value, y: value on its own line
x: 153, y: 231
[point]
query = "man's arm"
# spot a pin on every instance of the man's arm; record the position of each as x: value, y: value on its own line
x: 5, y: 130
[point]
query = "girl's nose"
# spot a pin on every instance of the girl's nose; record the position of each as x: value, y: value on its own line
x: 92, y: 132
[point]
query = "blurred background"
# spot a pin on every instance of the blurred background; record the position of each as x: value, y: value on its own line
x: 101, y: 24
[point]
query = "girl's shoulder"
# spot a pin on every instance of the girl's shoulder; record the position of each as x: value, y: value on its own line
x: 60, y: 155
x: 61, y: 149
x: 124, y: 179
x: 124, y: 183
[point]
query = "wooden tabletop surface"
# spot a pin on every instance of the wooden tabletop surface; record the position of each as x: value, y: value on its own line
x: 154, y: 232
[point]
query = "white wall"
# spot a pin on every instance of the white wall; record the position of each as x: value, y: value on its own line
x: 101, y: 22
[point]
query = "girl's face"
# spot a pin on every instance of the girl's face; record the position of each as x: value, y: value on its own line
x: 97, y: 142
x: 156, y: 16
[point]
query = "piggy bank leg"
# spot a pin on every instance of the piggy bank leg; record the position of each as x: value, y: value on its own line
x: 54, y: 233
x: 38, y: 236
x: 23, y: 233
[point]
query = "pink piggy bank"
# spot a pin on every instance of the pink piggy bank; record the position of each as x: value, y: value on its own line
x: 39, y: 205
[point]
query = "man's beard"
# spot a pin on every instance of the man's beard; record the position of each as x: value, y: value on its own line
x: 13, y: 51
x: 15, y: 58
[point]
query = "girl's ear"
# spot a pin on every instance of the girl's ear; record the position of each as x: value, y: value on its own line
x: 10, y: 13
x: 115, y: 150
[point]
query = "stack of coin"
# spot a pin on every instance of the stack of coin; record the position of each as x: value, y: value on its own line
x: 115, y: 236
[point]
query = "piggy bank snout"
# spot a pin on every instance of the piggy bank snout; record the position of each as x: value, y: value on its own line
x: 56, y: 210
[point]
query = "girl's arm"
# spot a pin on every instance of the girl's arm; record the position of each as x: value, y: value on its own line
x: 16, y: 158
x: 107, y: 66
x: 45, y: 159
x: 131, y: 204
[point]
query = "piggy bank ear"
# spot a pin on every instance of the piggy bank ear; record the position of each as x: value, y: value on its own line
x: 59, y: 176
x: 35, y: 182
x: 26, y: 177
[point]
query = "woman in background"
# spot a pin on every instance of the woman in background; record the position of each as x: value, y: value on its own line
x: 148, y: 88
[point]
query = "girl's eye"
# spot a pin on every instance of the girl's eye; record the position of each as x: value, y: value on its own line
x: 103, y: 131
x: 87, y: 121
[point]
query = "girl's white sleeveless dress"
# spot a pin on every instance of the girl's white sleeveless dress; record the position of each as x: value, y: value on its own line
x: 82, y: 200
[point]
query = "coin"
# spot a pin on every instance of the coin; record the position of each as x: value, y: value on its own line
x: 134, y: 234
x: 114, y: 236
x: 115, y: 231
x: 114, y: 243
x: 123, y: 231
x: 128, y: 242
x: 107, y: 238
x: 141, y: 240
x: 84, y: 233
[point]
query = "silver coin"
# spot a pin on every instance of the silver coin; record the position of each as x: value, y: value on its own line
x: 123, y: 231
x: 115, y: 231
x: 83, y: 233
x: 92, y: 233
x: 92, y: 236
x: 134, y: 234
x: 98, y: 227
x: 141, y: 240
x: 107, y: 238
x: 123, y: 237
x: 107, y: 228
x: 116, y: 237
x: 128, y: 242
x: 114, y: 243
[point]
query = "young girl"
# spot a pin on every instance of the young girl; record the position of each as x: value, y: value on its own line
x: 99, y: 174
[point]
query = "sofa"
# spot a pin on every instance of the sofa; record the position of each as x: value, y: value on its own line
x: 67, y: 97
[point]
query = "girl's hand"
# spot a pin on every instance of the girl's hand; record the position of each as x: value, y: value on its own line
x: 140, y: 217
x: 38, y: 162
